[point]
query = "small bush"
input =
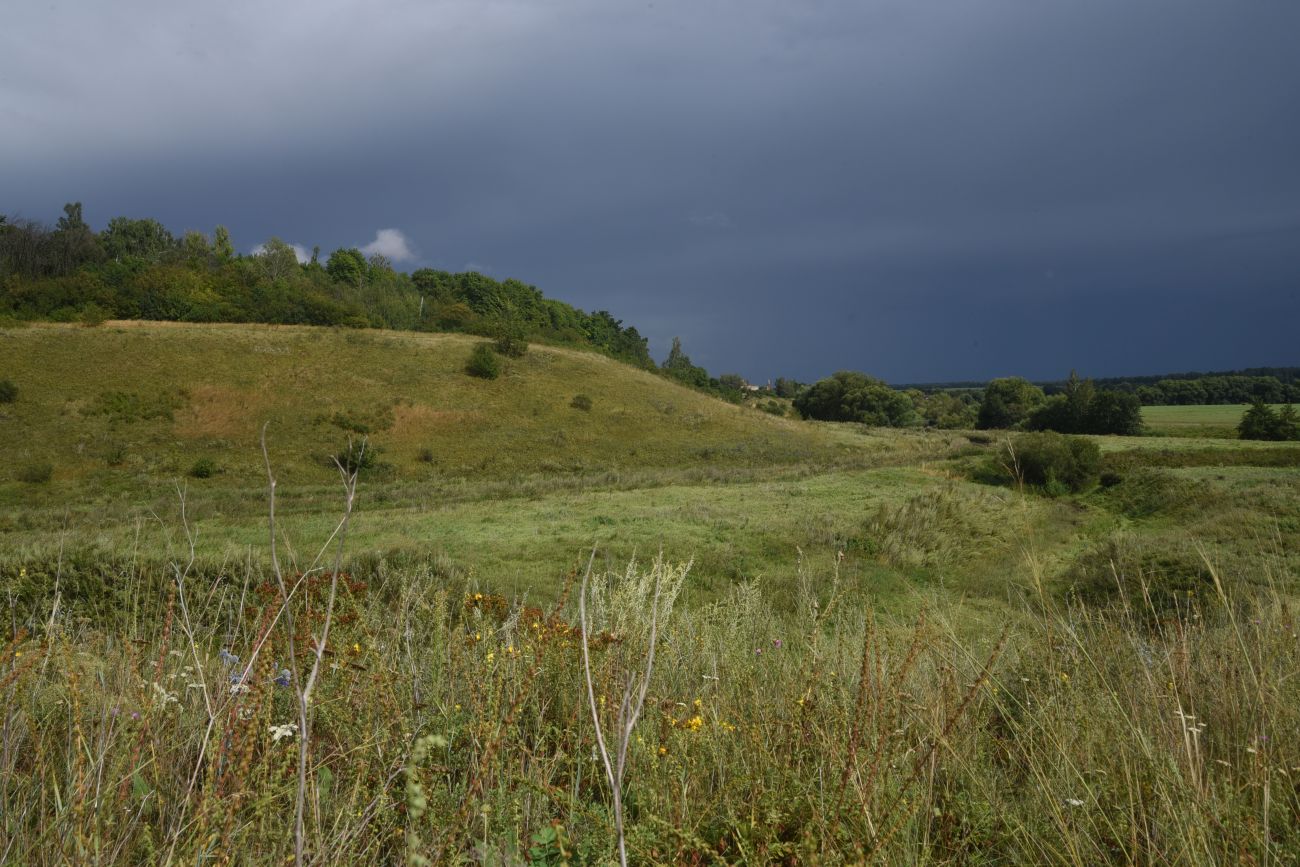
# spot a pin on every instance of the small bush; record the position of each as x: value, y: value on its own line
x: 35, y: 474
x: 582, y: 402
x: 511, y: 345
x: 8, y: 391
x: 1054, y: 463
x: 356, y: 456
x: 483, y: 363
x: 92, y: 315
x: 425, y: 455
x: 203, y: 468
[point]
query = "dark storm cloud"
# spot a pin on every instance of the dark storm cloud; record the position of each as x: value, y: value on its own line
x: 922, y: 189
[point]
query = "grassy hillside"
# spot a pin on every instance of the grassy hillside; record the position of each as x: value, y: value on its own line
x: 875, y: 656
x: 125, y: 398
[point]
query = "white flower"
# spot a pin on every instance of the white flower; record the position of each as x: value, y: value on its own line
x: 1074, y: 802
x: 237, y: 688
x: 287, y: 730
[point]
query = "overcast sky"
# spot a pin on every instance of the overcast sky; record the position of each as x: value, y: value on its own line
x: 921, y: 189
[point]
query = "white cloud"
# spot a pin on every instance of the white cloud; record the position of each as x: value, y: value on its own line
x: 304, y: 256
x: 391, y: 244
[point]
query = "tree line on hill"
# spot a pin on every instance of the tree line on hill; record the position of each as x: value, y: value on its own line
x: 1262, y: 384
x: 137, y: 269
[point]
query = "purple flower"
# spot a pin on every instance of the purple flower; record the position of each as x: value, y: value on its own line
x: 776, y: 642
x: 284, y: 677
x: 758, y: 651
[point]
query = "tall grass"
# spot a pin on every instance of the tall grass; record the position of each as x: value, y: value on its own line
x: 451, y: 724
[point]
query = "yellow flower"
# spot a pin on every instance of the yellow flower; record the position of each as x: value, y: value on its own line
x: 663, y: 751
x: 698, y: 703
x: 491, y: 656
x: 478, y: 597
x: 356, y: 647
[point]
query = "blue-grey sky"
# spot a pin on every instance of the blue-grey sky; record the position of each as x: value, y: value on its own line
x: 921, y: 189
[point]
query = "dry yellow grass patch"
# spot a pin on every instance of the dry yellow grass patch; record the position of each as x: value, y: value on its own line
x: 218, y: 411
x: 415, y: 420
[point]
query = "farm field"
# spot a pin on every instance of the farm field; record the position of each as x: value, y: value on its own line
x: 867, y: 649
x: 1203, y: 421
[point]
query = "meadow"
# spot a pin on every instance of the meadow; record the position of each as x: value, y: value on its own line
x: 1197, y: 421
x: 864, y: 652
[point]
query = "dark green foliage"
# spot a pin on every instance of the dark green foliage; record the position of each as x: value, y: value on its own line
x: 1007, y: 402
x: 425, y: 456
x: 772, y: 407
x: 356, y: 456
x: 1114, y: 412
x: 8, y: 391
x: 347, y: 266
x: 946, y: 410
x: 34, y: 473
x: 1051, y: 462
x: 679, y: 367
x: 92, y: 315
x: 146, y: 240
x: 483, y: 362
x: 582, y: 402
x: 203, y: 468
x: 1262, y: 422
x: 136, y: 269
x: 787, y: 388
x: 852, y: 396
x: 1081, y: 409
x: 510, y: 340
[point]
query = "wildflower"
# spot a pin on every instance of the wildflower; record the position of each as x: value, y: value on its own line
x: 695, y: 722
x: 776, y: 642
x: 758, y: 651
x: 135, y: 714
x: 284, y: 677
x: 287, y: 730
x: 491, y: 656
x: 663, y: 751
x: 356, y: 647
x: 698, y: 703
x: 1073, y: 802
x: 238, y: 688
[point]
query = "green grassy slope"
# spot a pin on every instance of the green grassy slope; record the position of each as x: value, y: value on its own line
x: 131, y: 398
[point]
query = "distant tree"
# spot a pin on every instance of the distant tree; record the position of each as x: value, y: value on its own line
x: 732, y: 382
x: 1288, y: 423
x: 852, y: 396
x: 72, y: 221
x: 277, y: 260
x: 678, y: 366
x: 1007, y: 402
x: 139, y: 239
x: 347, y: 266
x: 788, y: 388
x: 1113, y: 412
x: 1262, y: 422
x: 222, y: 247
